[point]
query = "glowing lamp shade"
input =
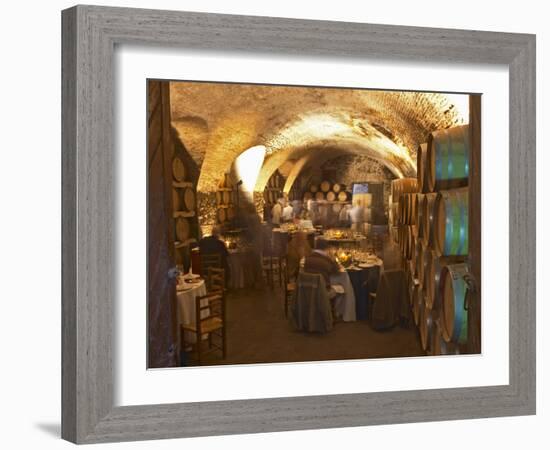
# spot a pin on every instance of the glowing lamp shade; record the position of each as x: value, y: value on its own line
x: 248, y: 165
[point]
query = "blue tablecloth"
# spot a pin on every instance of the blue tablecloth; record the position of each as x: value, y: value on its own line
x: 364, y: 281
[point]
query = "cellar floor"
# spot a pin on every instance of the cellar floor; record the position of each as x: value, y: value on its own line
x: 258, y: 332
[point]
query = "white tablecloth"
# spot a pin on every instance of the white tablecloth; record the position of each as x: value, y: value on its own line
x: 344, y: 304
x: 186, y: 306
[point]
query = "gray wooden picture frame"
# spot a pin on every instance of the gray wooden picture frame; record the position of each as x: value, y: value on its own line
x: 90, y: 34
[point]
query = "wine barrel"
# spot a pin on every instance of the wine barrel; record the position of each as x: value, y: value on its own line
x: 393, y: 214
x: 337, y: 187
x: 189, y: 199
x: 178, y: 169
x: 403, y: 186
x: 394, y: 234
x: 313, y: 188
x: 175, y: 200
x: 451, y: 222
x: 416, y: 256
x: 454, y: 317
x: 438, y: 346
x: 447, y: 158
x: 421, y: 167
x: 222, y: 217
x: 402, y: 210
x: 226, y: 197
x: 182, y: 229
x: 416, y: 303
x: 420, y: 261
x: 407, y: 238
x: 428, y: 218
x: 432, y: 276
x: 409, y: 282
x: 412, y: 259
x: 342, y: 196
x: 219, y: 197
x: 425, y: 326
x: 307, y: 196
x: 419, y: 211
x: 230, y: 213
x: 325, y: 186
x: 407, y: 209
x: 319, y: 196
x: 331, y: 196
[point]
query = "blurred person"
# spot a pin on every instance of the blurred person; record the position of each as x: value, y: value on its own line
x: 319, y: 261
x: 297, y: 248
x: 277, y: 212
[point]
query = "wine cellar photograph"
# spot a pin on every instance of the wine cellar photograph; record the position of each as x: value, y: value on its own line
x: 297, y: 223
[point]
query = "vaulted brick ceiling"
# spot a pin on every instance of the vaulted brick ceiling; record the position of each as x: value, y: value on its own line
x: 216, y: 122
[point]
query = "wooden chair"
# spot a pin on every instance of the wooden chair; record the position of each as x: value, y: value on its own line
x: 290, y: 286
x: 312, y: 309
x: 277, y: 264
x: 273, y: 268
x: 210, y: 260
x: 267, y: 270
x: 209, y: 321
x: 215, y: 280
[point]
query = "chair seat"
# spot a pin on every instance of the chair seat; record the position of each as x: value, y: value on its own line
x: 291, y: 286
x: 207, y: 325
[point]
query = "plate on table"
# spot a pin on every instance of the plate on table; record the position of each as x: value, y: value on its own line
x: 192, y: 280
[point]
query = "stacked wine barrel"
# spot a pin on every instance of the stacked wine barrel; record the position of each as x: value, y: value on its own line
x: 225, y: 200
x: 430, y: 218
x: 331, y: 192
x: 403, y: 217
x: 183, y: 208
x: 274, y: 189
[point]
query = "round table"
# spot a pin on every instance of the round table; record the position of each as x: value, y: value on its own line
x: 186, y: 294
x: 364, y: 281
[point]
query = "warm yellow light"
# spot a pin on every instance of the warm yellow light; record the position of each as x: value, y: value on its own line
x: 462, y: 104
x: 248, y: 165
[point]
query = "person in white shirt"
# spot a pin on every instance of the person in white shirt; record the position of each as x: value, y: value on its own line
x: 277, y: 212
x: 288, y: 213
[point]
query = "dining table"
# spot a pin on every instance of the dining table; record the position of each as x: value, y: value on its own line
x: 187, y: 290
x: 344, y: 304
x: 364, y: 279
x: 244, y: 268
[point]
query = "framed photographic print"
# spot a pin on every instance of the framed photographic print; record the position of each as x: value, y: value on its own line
x: 277, y: 224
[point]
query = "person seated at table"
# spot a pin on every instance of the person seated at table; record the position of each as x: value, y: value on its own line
x: 319, y: 261
x: 213, y: 245
x: 297, y: 248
